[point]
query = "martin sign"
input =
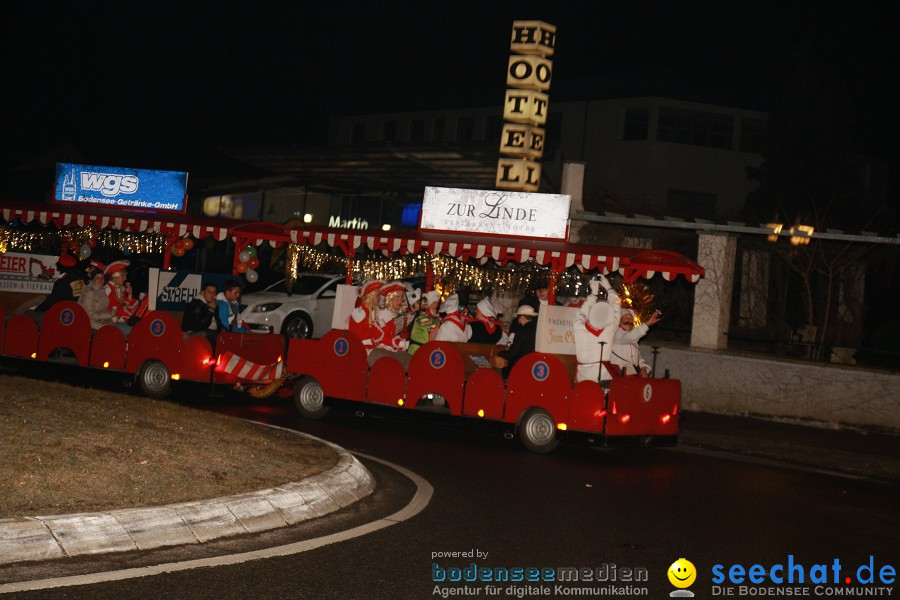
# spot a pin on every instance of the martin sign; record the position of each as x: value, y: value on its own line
x: 492, y: 212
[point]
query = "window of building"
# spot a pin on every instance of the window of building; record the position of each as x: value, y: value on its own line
x: 493, y: 126
x: 417, y: 130
x: 358, y: 135
x: 689, y: 205
x: 752, y: 134
x: 695, y: 128
x: 437, y: 133
x: 637, y: 124
x: 465, y: 129
x: 390, y: 131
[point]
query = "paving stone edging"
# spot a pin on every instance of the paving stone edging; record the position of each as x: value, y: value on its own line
x: 59, y: 536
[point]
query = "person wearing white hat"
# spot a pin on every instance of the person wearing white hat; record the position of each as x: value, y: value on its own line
x: 486, y: 329
x: 625, y: 351
x: 595, y: 330
x: 523, y: 341
x: 454, y: 327
x: 427, y: 322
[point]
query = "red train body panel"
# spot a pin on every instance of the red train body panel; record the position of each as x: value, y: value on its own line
x: 157, y: 337
x: 635, y: 408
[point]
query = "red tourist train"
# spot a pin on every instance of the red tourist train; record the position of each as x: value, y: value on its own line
x: 540, y: 400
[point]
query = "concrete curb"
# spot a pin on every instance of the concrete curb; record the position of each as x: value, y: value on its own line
x: 59, y: 536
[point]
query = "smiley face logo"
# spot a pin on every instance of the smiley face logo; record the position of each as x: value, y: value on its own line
x: 682, y: 573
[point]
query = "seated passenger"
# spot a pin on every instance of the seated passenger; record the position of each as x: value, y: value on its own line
x: 228, y: 313
x: 486, y: 329
x: 524, y: 340
x: 414, y: 304
x: 393, y: 317
x: 538, y: 297
x: 120, y: 300
x: 364, y: 318
x: 96, y: 304
x: 426, y: 325
x: 594, y: 332
x: 200, y: 314
x: 454, y: 327
x: 68, y: 285
x: 625, y: 352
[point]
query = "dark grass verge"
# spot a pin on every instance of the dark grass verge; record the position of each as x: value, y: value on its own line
x: 66, y: 449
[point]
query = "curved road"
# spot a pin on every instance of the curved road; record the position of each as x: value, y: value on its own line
x: 605, y: 512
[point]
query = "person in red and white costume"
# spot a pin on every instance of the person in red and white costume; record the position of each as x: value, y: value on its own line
x: 595, y: 329
x: 392, y: 317
x: 364, y: 318
x: 454, y: 327
x: 486, y: 329
x: 118, y: 290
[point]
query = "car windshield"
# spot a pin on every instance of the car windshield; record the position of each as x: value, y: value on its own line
x: 305, y: 284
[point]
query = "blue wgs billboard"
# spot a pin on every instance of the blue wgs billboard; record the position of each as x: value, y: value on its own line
x: 142, y: 189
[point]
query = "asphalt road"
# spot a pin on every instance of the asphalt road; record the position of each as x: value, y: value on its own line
x: 606, y: 512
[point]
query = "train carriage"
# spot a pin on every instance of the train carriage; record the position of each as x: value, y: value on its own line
x: 540, y: 399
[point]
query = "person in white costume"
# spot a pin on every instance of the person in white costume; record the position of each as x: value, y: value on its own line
x: 625, y: 352
x: 595, y: 329
x: 454, y: 327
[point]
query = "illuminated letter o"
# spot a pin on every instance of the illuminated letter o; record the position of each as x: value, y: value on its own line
x: 516, y: 70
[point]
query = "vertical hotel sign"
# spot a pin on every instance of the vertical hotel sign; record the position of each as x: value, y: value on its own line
x: 525, y: 109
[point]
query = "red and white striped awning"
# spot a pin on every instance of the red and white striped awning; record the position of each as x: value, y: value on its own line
x: 631, y: 263
x: 171, y: 223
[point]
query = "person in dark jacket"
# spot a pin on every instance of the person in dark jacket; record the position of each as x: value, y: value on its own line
x: 524, y: 340
x: 200, y: 314
x: 66, y: 286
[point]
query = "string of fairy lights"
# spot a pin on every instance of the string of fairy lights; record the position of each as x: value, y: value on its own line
x: 73, y: 238
x: 449, y: 274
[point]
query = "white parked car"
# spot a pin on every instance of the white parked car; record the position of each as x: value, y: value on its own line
x: 304, y: 313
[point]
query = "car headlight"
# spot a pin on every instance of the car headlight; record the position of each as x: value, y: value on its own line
x: 266, y: 307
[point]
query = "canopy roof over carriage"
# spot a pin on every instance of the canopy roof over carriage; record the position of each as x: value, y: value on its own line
x: 62, y: 215
x: 558, y: 255
x: 632, y: 263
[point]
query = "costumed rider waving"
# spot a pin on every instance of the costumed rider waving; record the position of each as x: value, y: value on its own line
x: 595, y: 330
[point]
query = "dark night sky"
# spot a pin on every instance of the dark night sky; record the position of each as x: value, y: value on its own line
x: 157, y: 81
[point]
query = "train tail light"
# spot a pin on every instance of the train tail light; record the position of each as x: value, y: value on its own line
x: 665, y: 419
x: 601, y: 413
x: 480, y: 412
x: 106, y: 364
x: 613, y: 408
x: 625, y: 418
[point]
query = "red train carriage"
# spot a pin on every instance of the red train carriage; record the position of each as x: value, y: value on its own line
x: 539, y: 399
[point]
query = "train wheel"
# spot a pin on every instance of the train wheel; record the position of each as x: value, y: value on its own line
x: 310, y: 399
x: 537, y: 431
x: 154, y: 379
